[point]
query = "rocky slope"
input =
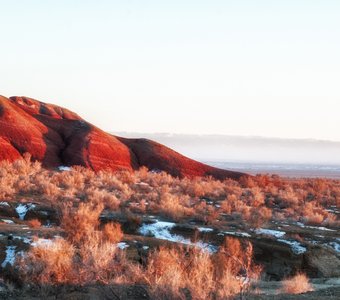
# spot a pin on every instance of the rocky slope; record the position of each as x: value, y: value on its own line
x: 56, y: 136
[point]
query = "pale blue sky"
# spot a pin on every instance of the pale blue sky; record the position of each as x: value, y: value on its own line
x: 269, y: 68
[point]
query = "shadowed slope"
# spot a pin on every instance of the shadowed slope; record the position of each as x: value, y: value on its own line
x: 157, y: 156
x: 56, y: 136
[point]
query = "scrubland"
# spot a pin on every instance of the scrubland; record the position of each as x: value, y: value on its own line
x: 252, y: 200
x: 87, y: 252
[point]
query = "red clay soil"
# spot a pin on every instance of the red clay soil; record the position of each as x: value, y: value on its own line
x: 56, y: 136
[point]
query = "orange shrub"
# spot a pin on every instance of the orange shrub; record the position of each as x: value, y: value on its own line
x: 49, y: 263
x: 34, y: 223
x: 170, y: 272
x: 297, y: 284
x: 79, y: 223
x: 112, y: 232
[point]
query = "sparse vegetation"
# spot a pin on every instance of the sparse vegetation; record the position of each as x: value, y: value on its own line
x: 253, y: 201
x: 297, y: 284
x: 87, y: 252
x: 90, y: 255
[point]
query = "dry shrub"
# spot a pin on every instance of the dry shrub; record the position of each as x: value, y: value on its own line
x: 98, y: 261
x: 297, y: 284
x: 175, y: 272
x: 49, y: 263
x: 235, y: 267
x: 174, y: 206
x: 87, y: 255
x: 79, y: 223
x: 112, y: 232
x: 34, y: 223
x: 259, y: 216
x: 305, y: 200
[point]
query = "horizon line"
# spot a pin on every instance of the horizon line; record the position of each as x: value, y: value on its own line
x: 229, y: 136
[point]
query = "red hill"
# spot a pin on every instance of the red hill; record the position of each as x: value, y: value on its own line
x: 56, y: 136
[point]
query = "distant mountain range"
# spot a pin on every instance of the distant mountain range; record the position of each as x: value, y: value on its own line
x: 248, y: 149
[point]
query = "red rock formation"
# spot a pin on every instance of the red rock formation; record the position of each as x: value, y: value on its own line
x: 56, y: 136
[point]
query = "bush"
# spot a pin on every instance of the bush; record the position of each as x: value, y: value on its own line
x: 175, y: 272
x: 34, y: 223
x: 50, y: 263
x: 112, y: 232
x: 80, y: 223
x: 297, y: 284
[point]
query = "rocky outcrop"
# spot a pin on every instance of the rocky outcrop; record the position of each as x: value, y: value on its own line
x: 56, y: 136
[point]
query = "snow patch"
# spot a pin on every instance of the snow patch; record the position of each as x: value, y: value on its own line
x: 122, y: 245
x: 314, y: 227
x: 161, y: 230
x: 64, y: 168
x: 297, y: 248
x: 205, y: 229
x: 26, y: 240
x: 4, y: 203
x: 320, y: 228
x: 22, y: 210
x: 7, y: 221
x: 41, y: 242
x: 335, y: 245
x: 241, y: 234
x: 276, y: 233
x: 10, y: 256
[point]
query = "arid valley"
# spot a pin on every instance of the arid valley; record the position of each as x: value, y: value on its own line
x: 82, y: 231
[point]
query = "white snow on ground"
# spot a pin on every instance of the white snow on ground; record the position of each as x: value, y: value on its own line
x: 297, y: 248
x: 22, y: 209
x: 7, y: 221
x: 242, y: 234
x: 122, y: 245
x: 64, y: 168
x: 161, y: 230
x: 41, y: 242
x: 26, y: 240
x: 276, y: 233
x: 4, y: 203
x: 335, y: 246
x: 313, y: 227
x: 145, y: 247
x: 320, y: 228
x: 205, y: 229
x: 10, y: 256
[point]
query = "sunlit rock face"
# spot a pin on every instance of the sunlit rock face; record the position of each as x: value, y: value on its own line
x: 56, y: 136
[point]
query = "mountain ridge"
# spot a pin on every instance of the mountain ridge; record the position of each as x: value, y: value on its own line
x: 57, y: 136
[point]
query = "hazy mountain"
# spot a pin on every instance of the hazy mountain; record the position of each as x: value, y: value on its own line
x: 248, y: 149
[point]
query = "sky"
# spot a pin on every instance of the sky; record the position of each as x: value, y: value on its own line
x: 238, y: 67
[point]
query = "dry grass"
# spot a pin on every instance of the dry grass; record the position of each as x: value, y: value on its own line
x: 49, y: 263
x: 254, y: 201
x: 86, y: 255
x: 34, y: 223
x: 297, y: 284
x: 113, y: 232
x: 171, y: 273
x: 79, y: 223
x: 88, y: 252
